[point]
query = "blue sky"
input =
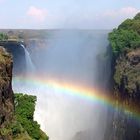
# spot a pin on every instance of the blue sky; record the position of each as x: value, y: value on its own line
x: 87, y: 14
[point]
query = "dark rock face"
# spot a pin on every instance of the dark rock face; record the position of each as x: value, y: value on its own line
x: 16, y: 49
x: 127, y: 74
x: 127, y: 88
x: 6, y: 93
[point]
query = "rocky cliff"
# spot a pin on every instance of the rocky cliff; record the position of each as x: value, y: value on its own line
x: 125, y: 42
x: 126, y: 126
x: 16, y: 111
x: 127, y: 74
x: 6, y: 93
x: 17, y: 50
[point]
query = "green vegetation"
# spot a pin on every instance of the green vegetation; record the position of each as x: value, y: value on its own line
x: 10, y: 36
x: 3, y: 37
x: 23, y: 127
x: 125, y: 43
x: 126, y: 36
x: 15, y: 130
x: 24, y: 111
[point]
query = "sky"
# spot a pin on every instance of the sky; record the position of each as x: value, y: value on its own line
x: 81, y: 14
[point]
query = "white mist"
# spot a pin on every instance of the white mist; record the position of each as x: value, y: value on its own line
x: 76, y: 57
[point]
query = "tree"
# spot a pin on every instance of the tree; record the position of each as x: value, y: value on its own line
x: 127, y: 24
x: 137, y: 17
x: 122, y: 39
x: 24, y: 110
x: 127, y: 35
x: 3, y: 37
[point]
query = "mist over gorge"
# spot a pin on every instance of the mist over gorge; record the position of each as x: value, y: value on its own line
x: 70, y: 57
x: 86, y: 86
x: 86, y: 83
x: 70, y: 70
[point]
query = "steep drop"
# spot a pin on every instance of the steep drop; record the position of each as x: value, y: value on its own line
x: 76, y: 58
x: 6, y: 94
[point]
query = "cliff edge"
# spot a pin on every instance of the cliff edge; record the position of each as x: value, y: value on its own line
x: 6, y: 93
x: 125, y: 43
x: 16, y: 110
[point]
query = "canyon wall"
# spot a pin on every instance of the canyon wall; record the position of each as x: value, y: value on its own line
x: 6, y: 93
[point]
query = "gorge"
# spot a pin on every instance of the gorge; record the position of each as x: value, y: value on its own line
x: 86, y: 87
x: 72, y: 62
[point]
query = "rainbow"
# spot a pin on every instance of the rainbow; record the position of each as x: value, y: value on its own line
x: 86, y: 93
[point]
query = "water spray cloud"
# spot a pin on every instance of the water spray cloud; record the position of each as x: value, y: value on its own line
x: 91, y: 94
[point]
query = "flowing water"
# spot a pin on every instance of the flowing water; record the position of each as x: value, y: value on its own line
x: 72, y: 62
x: 29, y: 64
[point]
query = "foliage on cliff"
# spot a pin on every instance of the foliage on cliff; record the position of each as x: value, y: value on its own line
x: 22, y: 126
x: 3, y: 37
x: 16, y: 120
x: 125, y: 43
x: 126, y: 36
x: 24, y: 111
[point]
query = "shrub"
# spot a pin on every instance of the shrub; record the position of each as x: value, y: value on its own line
x: 126, y: 36
x: 24, y: 110
x: 3, y: 37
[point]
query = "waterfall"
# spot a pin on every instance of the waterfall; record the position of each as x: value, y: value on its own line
x: 71, y: 58
x: 29, y: 64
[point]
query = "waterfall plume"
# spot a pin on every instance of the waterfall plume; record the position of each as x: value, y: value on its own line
x: 72, y: 62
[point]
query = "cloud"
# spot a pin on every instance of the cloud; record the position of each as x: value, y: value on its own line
x: 37, y: 13
x: 101, y: 20
x: 109, y: 19
x: 129, y: 10
x: 123, y: 12
x: 112, y: 18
